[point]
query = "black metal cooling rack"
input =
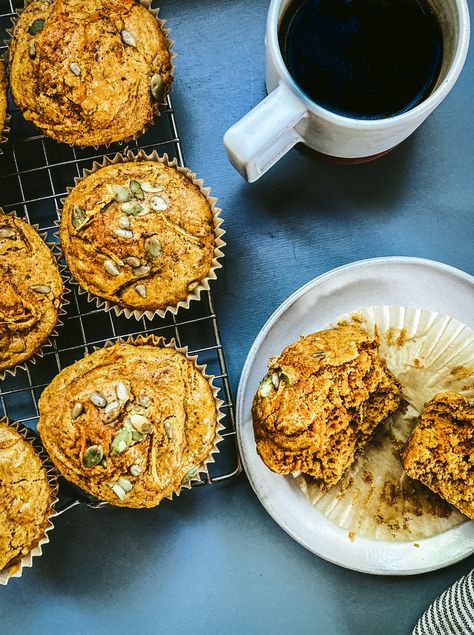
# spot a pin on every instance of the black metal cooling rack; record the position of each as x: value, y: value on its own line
x: 34, y: 174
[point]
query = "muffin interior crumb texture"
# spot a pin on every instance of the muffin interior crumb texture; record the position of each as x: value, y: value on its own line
x: 89, y: 72
x: 440, y: 451
x: 25, y: 497
x: 321, y: 401
x: 3, y: 97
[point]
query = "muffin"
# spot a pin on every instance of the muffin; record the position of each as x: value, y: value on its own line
x: 440, y: 450
x: 320, y: 401
x: 3, y: 100
x: 131, y: 423
x: 90, y: 72
x: 27, y: 494
x: 139, y: 234
x: 31, y: 295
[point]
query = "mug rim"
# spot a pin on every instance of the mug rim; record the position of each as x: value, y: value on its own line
x: 426, y: 106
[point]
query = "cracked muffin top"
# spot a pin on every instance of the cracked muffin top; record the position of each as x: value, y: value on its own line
x: 139, y: 234
x: 440, y: 450
x: 320, y: 402
x: 31, y: 295
x: 25, y: 497
x: 89, y: 72
x: 130, y: 423
x: 3, y: 97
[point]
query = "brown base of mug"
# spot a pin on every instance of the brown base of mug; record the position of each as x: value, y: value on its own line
x: 340, y: 160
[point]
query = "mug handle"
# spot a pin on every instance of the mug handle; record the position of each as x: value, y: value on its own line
x: 256, y: 142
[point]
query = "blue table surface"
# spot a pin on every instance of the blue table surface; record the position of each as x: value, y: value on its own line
x: 213, y: 560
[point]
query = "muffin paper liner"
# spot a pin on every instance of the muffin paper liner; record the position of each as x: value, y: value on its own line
x: 153, y: 340
x: 62, y: 308
x: 203, y: 285
x: 428, y: 353
x: 16, y: 570
x: 170, y: 43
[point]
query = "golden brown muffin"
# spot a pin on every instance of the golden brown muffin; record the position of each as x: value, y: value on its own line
x: 3, y: 98
x: 320, y: 401
x: 440, y: 450
x: 25, y: 497
x: 130, y: 423
x: 89, y: 72
x: 139, y: 234
x: 31, y: 292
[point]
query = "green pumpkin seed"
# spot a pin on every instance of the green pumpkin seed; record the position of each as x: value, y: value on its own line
x: 93, y: 456
x: 122, y: 391
x: 32, y: 49
x: 98, y: 399
x: 124, y: 222
x: 151, y: 189
x: 36, y: 27
x: 191, y: 473
x: 266, y: 386
x: 158, y: 204
x: 136, y: 190
x: 135, y: 470
x: 132, y: 208
x: 78, y: 217
x: 121, y: 441
x: 153, y: 247
x: 137, y: 436
x: 157, y: 88
x: 133, y: 261
x: 118, y: 491
x: 125, y: 484
x: 123, y: 233
x: 121, y: 194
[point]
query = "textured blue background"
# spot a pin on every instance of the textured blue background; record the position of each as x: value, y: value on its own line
x: 213, y: 561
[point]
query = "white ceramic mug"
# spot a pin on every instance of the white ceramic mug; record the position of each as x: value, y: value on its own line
x: 288, y: 116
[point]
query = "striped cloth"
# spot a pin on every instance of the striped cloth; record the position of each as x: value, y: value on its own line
x: 452, y: 613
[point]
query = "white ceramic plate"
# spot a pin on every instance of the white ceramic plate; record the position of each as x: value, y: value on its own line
x: 400, y: 281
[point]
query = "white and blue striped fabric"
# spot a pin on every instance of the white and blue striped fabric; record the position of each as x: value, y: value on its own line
x: 452, y: 613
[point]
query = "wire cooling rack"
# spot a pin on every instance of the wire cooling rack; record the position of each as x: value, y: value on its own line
x: 34, y: 174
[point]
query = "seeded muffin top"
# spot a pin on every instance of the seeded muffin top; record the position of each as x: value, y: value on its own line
x: 129, y: 423
x: 3, y: 97
x: 31, y: 291
x: 25, y: 496
x: 89, y: 72
x: 320, y: 401
x: 139, y: 234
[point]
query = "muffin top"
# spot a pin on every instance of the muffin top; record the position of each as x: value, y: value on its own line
x: 25, y: 496
x: 139, y: 234
x: 31, y: 293
x: 130, y: 423
x: 89, y: 72
x: 3, y: 97
x: 321, y: 400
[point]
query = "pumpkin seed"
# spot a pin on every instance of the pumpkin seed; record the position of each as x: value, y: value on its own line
x: 141, y: 424
x: 168, y: 430
x: 93, y: 456
x: 266, y: 386
x: 36, y: 27
x: 275, y: 380
x: 128, y: 38
x: 122, y: 391
x: 133, y: 261
x: 41, y: 288
x: 136, y: 190
x: 111, y: 268
x: 78, y: 217
x: 135, y: 470
x: 153, y: 247
x: 137, y: 436
x: 141, y: 271
x: 121, y: 441
x: 77, y: 410
x: 157, y: 87
x: 32, y: 49
x: 7, y: 233
x: 104, y: 462
x: 158, y: 204
x: 98, y: 399
x: 191, y: 473
x: 132, y: 208
x: 151, y: 189
x: 118, y: 491
x: 75, y: 68
x: 125, y: 484
x: 141, y: 290
x: 111, y: 406
x: 123, y: 233
x: 284, y: 377
x: 111, y: 416
x: 121, y: 194
x: 144, y: 401
x: 124, y: 222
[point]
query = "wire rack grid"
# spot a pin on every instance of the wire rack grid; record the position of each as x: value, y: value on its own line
x: 34, y: 174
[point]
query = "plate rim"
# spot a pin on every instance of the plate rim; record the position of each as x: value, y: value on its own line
x: 290, y: 300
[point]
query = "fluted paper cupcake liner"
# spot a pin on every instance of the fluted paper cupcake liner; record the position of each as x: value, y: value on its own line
x: 429, y: 353
x: 203, y: 285
x: 49, y: 342
x: 170, y: 44
x: 15, y: 569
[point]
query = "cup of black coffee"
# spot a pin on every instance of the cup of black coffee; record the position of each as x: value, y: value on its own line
x: 350, y: 78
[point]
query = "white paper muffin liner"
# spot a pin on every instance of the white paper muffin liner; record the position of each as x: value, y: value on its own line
x: 49, y: 342
x: 428, y: 353
x: 204, y: 285
x: 15, y: 570
x: 170, y: 44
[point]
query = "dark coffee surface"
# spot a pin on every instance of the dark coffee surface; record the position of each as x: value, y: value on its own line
x: 363, y: 58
